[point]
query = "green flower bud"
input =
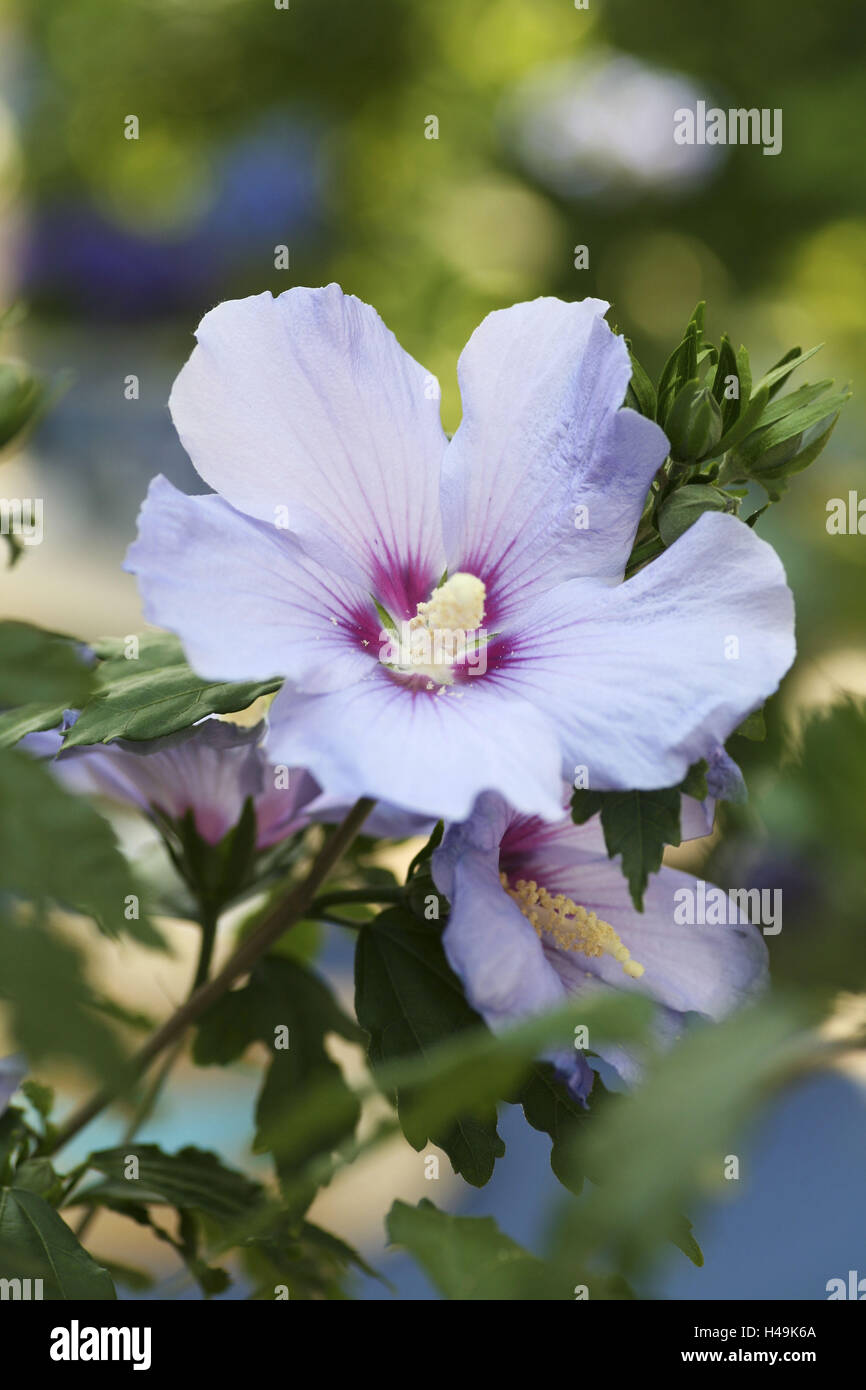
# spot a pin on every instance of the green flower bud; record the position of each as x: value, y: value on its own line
x: 694, y: 423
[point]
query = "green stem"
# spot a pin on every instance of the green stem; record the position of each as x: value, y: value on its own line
x: 358, y: 895
x: 205, y: 955
x: 283, y: 914
x: 331, y: 918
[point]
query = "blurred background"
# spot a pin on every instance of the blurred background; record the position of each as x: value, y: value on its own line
x: 440, y: 160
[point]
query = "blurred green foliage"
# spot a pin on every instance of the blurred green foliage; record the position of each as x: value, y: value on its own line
x: 436, y: 233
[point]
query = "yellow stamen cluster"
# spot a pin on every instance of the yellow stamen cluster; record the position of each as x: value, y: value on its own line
x: 568, y: 925
x: 457, y: 605
x: 439, y: 638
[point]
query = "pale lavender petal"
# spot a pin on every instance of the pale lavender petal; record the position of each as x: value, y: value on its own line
x: 545, y: 850
x: 209, y: 769
x: 484, y: 831
x: 702, y: 969
x: 491, y: 945
x: 697, y: 817
x: 542, y: 435
x: 384, y: 822
x: 244, y: 599
x: 13, y: 1070
x: 708, y: 970
x: 627, y: 1060
x: 45, y: 744
x: 282, y: 806
x: 307, y: 402
x: 431, y: 753
x: 725, y: 781
x: 649, y: 677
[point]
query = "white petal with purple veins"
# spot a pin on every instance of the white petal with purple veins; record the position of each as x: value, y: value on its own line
x: 691, y: 969
x: 307, y: 402
x: 542, y: 435
x: 493, y: 948
x: 649, y: 677
x: 428, y: 752
x: 244, y: 599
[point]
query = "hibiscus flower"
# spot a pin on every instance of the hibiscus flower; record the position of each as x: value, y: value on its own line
x: 540, y: 913
x: 208, y: 770
x: 450, y: 616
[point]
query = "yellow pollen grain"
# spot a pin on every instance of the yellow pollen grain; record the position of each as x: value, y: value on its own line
x: 568, y: 925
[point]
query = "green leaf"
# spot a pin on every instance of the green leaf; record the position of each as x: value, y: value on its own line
x: 757, y: 452
x: 659, y: 1146
x: 154, y: 694
x: 744, y: 372
x: 283, y: 995
x: 638, y: 825
x: 550, y: 1108
x: 190, y: 1180
x: 641, y: 395
x: 753, y: 726
x: 211, y: 1279
x: 468, y: 1257
x: 425, y: 853
x: 40, y: 1097
x: 475, y: 1069
x: 15, y: 1142
x: 55, y: 847
x: 683, y: 1238
x: 774, y: 480
x: 727, y: 367
x: 136, y: 1280
x: 785, y: 405
x: 756, y: 515
x: 695, y: 781
x: 681, y: 366
x: 743, y: 425
x: 385, y: 618
x: 331, y: 1246
x: 682, y: 509
x: 41, y: 668
x: 311, y: 1262
x: 585, y: 804
x: 698, y: 318
x: 29, y: 719
x: 22, y: 400
x: 778, y: 375
x: 38, y: 1175
x: 35, y: 1243
x: 52, y: 1007
x: 408, y: 999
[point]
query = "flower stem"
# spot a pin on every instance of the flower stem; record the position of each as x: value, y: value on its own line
x: 358, y: 895
x: 282, y: 915
x: 205, y: 955
x: 145, y: 1106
